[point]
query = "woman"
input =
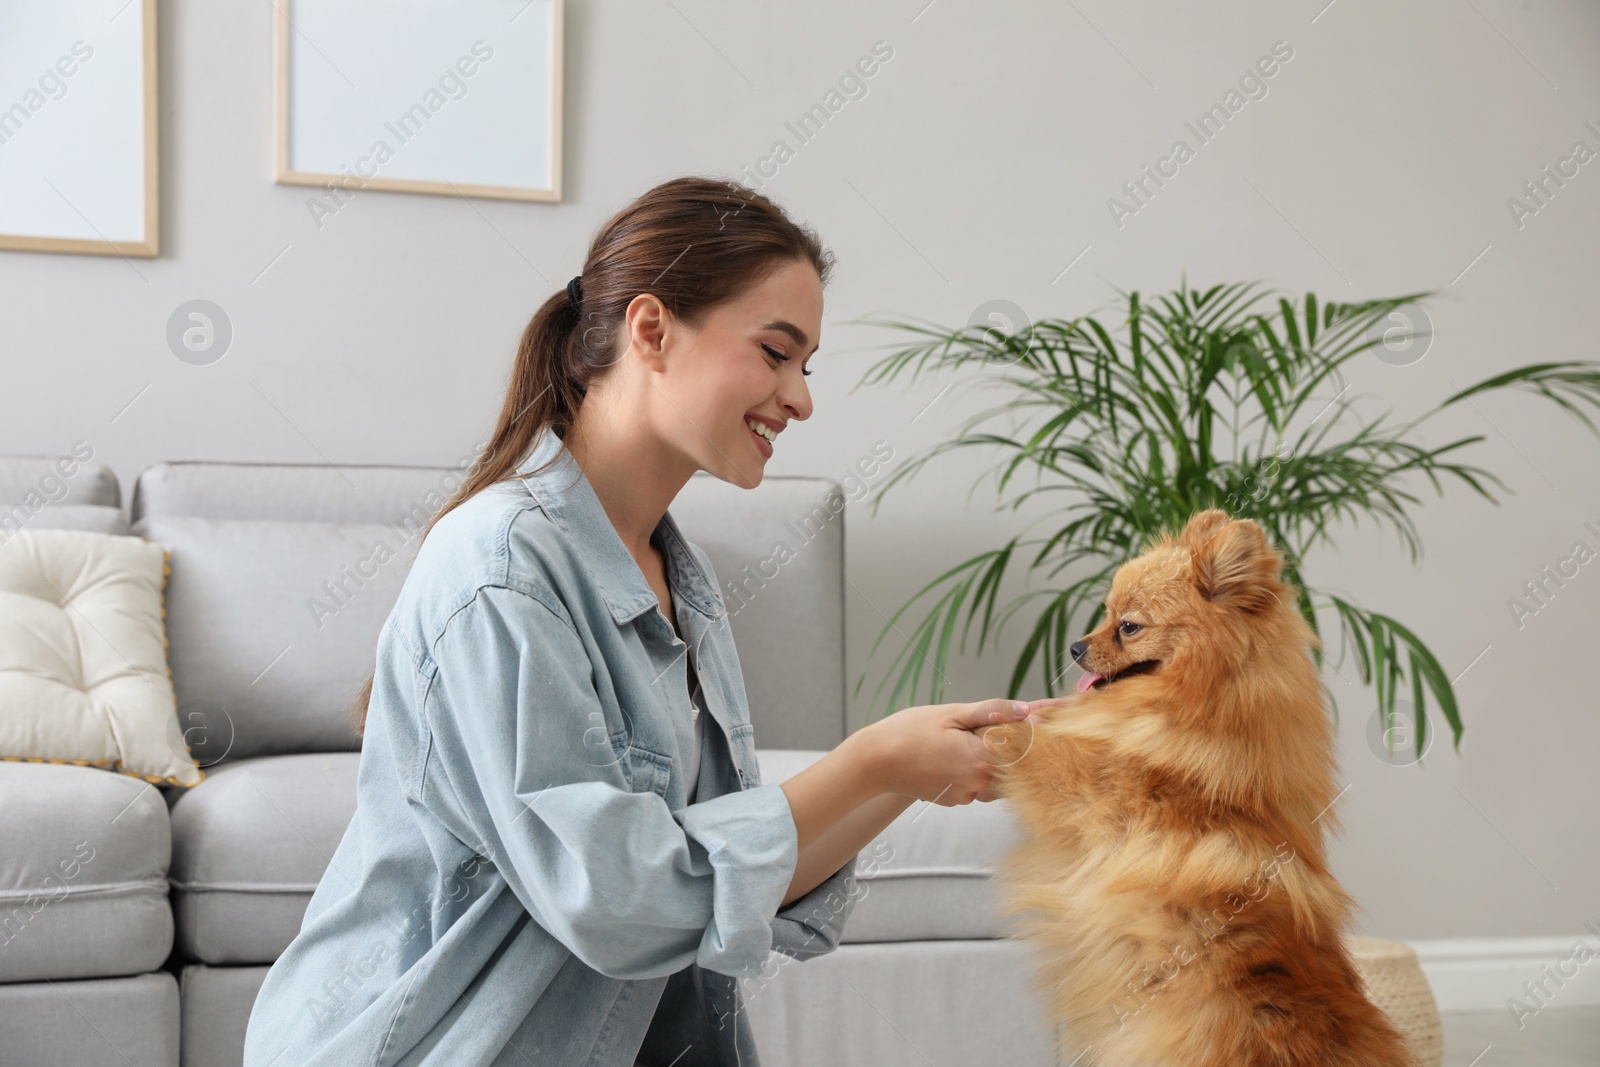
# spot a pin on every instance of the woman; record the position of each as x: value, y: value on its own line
x: 555, y: 857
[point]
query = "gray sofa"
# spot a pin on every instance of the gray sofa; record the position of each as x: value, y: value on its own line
x: 281, y: 577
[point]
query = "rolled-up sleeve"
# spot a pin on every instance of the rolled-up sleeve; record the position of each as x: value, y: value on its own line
x: 519, y: 752
x: 812, y: 925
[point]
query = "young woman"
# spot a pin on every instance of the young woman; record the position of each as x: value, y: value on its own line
x: 562, y: 851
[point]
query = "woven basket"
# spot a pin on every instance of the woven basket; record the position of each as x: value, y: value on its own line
x: 1395, y: 983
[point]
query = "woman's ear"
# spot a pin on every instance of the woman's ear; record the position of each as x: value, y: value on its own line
x: 1235, y: 565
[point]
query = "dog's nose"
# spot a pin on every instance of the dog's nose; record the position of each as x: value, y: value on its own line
x: 1078, y: 648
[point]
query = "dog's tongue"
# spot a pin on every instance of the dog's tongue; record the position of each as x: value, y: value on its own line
x: 1088, y: 679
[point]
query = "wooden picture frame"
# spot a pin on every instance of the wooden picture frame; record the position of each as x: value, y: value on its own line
x: 345, y: 72
x: 80, y: 167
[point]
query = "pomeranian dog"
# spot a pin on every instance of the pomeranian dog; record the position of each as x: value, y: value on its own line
x: 1170, y: 872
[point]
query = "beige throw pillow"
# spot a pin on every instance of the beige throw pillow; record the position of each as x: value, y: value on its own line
x: 83, y: 655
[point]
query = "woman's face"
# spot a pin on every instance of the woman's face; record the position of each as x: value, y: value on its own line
x: 744, y: 364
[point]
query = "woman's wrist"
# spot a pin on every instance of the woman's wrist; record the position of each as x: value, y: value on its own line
x: 869, y: 747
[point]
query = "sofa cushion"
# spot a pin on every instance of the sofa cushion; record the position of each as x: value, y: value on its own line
x: 273, y: 628
x: 217, y: 1002
x: 83, y: 662
x: 249, y: 845
x: 928, y: 875
x: 83, y: 874
x: 76, y: 478
x: 282, y: 578
x: 36, y: 490
x: 102, y: 1022
x: 68, y: 492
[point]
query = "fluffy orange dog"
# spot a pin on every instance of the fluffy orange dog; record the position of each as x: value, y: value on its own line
x: 1171, y: 870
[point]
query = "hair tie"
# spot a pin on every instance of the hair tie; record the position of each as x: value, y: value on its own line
x: 575, y: 292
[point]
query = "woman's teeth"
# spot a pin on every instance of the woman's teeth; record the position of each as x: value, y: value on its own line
x: 762, y: 429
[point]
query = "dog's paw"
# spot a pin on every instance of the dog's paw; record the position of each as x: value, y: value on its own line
x: 1007, y: 743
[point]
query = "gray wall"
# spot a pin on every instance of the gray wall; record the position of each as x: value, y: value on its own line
x: 977, y: 166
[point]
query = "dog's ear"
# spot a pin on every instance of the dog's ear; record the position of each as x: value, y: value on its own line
x: 1235, y: 565
x: 1198, y: 530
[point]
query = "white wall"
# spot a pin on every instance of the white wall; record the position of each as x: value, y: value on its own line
x: 977, y: 166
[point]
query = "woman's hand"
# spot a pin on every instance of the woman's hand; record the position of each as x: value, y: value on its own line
x: 931, y: 753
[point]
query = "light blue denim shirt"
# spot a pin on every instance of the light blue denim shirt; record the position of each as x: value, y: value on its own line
x: 523, y: 882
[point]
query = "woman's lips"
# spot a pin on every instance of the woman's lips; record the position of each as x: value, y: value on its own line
x: 761, y: 442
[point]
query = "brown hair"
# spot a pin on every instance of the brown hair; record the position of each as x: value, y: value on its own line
x: 694, y: 243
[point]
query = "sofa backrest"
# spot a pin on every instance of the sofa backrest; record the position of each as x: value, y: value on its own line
x: 67, y: 492
x: 283, y: 574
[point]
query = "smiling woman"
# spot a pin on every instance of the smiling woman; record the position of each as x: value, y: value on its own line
x: 561, y: 839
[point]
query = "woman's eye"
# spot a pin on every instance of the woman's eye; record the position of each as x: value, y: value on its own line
x: 775, y: 354
x: 1128, y: 629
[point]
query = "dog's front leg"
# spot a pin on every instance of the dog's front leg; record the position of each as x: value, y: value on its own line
x: 1045, y: 755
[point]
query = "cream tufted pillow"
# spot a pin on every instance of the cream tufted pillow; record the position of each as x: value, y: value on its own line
x: 83, y: 655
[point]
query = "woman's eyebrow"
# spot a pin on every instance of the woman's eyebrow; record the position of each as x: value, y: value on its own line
x: 792, y: 330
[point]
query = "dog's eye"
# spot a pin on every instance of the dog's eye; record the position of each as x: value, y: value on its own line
x: 1128, y: 629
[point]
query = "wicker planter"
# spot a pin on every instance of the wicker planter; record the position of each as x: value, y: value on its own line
x: 1396, y: 984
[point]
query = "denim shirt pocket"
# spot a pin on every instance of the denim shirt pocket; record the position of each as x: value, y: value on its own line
x: 648, y: 771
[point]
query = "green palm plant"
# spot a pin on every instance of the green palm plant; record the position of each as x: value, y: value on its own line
x: 1202, y: 402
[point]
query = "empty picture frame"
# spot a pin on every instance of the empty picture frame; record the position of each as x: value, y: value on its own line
x: 457, y: 97
x: 78, y: 142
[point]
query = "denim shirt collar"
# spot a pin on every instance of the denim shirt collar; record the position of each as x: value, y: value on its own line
x: 566, y: 495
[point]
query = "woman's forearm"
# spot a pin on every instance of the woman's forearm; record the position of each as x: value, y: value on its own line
x: 831, y: 791
x: 834, y: 786
x: 844, y: 839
